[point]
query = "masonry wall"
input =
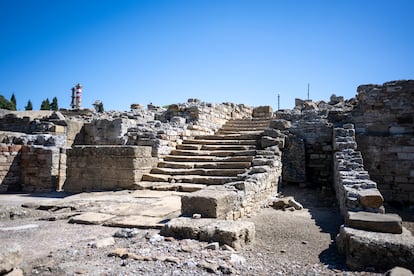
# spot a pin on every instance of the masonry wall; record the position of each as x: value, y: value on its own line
x: 10, y: 168
x: 384, y: 124
x: 106, y: 167
x: 40, y: 168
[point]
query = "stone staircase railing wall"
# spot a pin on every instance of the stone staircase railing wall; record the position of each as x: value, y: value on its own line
x: 384, y: 125
x: 354, y: 189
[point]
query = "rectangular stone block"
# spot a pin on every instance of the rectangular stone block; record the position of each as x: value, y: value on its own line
x: 210, y: 203
x: 371, y: 198
x: 385, y: 223
x: 233, y: 233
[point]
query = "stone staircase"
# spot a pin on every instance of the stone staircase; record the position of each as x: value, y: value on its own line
x: 210, y: 159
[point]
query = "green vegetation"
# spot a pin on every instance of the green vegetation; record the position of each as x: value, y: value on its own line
x: 13, y: 101
x: 54, y: 105
x: 45, y: 105
x: 29, y: 105
x: 5, y: 104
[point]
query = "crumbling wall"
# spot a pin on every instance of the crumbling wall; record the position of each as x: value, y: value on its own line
x: 384, y: 124
x: 106, y: 167
x: 308, y: 147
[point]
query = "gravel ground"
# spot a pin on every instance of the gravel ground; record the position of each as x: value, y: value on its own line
x: 287, y: 243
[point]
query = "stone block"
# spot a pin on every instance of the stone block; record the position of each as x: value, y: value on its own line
x: 385, y: 223
x: 262, y: 112
x: 233, y: 233
x: 210, y: 203
x: 383, y: 251
x: 371, y: 198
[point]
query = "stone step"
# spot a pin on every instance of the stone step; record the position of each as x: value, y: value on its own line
x: 215, y: 147
x: 205, y: 165
x: 385, y: 223
x: 208, y: 180
x: 198, y: 171
x: 243, y: 128
x: 222, y: 153
x: 238, y: 136
x: 239, y: 132
x: 172, y: 158
x: 166, y: 186
x: 219, y: 142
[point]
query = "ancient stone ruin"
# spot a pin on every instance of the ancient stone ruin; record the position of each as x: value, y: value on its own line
x: 228, y: 160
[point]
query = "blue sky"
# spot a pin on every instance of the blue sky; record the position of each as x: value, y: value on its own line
x: 164, y: 52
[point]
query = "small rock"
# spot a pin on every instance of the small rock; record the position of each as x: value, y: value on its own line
x: 304, y: 242
x: 156, y: 238
x: 282, y: 251
x: 126, y: 233
x: 212, y: 246
x: 293, y: 203
x: 190, y: 263
x: 172, y: 259
x: 103, y: 243
x: 196, y: 216
x: 237, y: 260
x: 399, y: 271
x: 209, y: 267
x: 118, y: 252
x: 227, y: 248
x: 226, y: 269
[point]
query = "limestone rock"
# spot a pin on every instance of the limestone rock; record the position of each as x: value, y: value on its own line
x: 399, y: 271
x: 10, y: 257
x: 103, y: 242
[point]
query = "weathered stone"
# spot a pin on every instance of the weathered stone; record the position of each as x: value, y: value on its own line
x: 233, y: 233
x: 208, y: 202
x: 371, y: 198
x: 103, y: 242
x: 10, y: 257
x: 262, y: 112
x: 385, y: 223
x: 280, y: 124
x: 373, y: 249
x: 91, y: 218
x: 399, y: 271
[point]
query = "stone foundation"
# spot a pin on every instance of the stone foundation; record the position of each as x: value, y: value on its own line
x: 106, y: 167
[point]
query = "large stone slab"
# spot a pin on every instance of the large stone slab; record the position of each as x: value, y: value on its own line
x: 210, y: 203
x: 137, y: 221
x: 91, y: 218
x: 385, y: 223
x: 372, y: 249
x: 371, y: 198
x: 233, y: 233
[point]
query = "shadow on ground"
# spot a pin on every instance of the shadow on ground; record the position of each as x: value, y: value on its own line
x: 322, y: 206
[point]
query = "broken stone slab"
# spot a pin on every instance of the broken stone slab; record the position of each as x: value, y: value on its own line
x: 91, y: 218
x: 233, y: 233
x: 385, y: 223
x: 373, y: 249
x: 210, y: 203
x: 136, y: 221
x: 286, y: 202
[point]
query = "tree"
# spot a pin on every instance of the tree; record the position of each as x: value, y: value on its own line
x: 29, y: 105
x: 5, y: 104
x: 54, y: 105
x: 45, y: 105
x: 13, y: 101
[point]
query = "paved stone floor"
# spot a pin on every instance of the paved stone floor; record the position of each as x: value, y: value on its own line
x: 137, y: 208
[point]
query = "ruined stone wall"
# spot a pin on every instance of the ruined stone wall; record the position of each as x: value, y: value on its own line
x: 308, y: 151
x: 10, y: 168
x: 109, y: 131
x: 384, y: 124
x: 106, y: 167
x: 40, y: 168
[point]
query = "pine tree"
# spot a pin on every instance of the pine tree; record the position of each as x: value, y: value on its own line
x: 29, y: 105
x: 13, y: 101
x: 54, y: 105
x: 5, y: 104
x: 45, y: 105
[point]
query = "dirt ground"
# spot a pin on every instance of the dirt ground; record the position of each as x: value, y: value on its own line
x: 298, y: 242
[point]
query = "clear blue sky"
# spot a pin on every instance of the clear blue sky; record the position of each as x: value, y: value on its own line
x: 165, y: 52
